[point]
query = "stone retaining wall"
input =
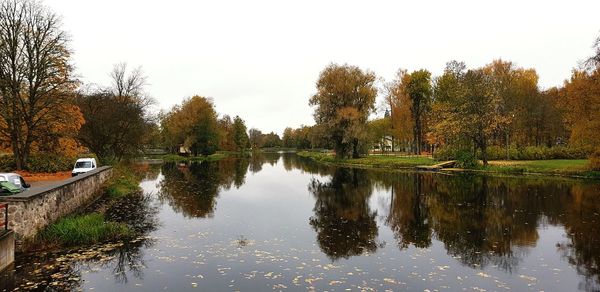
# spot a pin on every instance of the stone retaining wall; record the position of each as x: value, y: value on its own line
x: 33, y: 209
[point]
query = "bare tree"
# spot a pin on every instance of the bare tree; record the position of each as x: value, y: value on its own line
x: 594, y: 61
x: 127, y: 85
x: 35, y: 73
x: 117, y: 118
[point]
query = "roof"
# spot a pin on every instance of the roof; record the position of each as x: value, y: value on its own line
x: 86, y: 159
x: 8, y: 174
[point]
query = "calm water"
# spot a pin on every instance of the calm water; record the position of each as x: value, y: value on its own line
x: 279, y: 222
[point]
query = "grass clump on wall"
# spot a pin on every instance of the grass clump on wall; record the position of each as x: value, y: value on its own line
x: 84, y: 229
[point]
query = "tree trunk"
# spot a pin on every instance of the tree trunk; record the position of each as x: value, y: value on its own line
x: 484, y: 153
x: 16, y: 153
x: 355, y: 153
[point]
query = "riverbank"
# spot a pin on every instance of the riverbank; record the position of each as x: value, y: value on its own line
x: 375, y: 161
x: 578, y: 168
x: 92, y: 225
x: 178, y: 158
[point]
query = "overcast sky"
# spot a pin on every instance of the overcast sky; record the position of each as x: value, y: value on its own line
x: 260, y: 59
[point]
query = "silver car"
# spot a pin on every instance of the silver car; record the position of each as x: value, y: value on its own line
x: 16, y: 179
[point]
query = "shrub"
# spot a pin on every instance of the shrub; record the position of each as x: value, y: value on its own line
x: 465, y: 159
x: 7, y: 163
x: 43, y: 162
x: 595, y: 160
x: 49, y: 163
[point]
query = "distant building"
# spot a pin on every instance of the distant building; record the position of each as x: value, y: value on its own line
x: 183, y: 150
x: 384, y: 144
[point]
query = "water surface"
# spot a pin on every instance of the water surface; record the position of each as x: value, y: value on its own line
x: 280, y: 222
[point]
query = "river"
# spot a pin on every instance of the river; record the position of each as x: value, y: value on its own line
x: 281, y: 222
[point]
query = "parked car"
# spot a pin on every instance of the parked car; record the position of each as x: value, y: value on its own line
x: 83, y: 165
x: 12, y: 183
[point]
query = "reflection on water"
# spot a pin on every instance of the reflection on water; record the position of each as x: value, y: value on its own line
x: 343, y: 220
x: 192, y: 188
x: 278, y: 221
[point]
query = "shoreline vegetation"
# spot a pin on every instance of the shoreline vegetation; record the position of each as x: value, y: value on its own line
x: 576, y: 168
x: 199, y: 158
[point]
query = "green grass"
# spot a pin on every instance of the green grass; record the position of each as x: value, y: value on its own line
x: 379, y: 161
x: 124, y: 181
x: 84, y: 229
x: 177, y: 158
x: 569, y: 167
x: 563, y: 167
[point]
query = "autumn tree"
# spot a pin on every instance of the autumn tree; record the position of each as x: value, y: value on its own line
x: 448, y: 90
x: 271, y: 139
x: 401, y: 121
x: 467, y: 108
x: 193, y: 125
x: 409, y: 96
x: 345, y: 97
x: 581, y: 100
x: 288, y: 138
x: 302, y: 137
x: 240, y: 136
x: 226, y: 129
x: 36, y: 81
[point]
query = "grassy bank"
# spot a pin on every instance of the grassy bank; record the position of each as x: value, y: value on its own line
x: 563, y: 167
x: 177, y: 158
x: 559, y: 167
x: 377, y: 161
x: 90, y: 226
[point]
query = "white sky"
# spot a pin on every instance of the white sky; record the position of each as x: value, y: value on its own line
x: 261, y: 59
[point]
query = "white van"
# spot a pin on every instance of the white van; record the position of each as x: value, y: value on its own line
x: 83, y: 165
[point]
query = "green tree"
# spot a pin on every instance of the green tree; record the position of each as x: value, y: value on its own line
x: 345, y: 97
x: 419, y: 90
x: 379, y: 131
x: 288, y: 138
x: 205, y: 131
x: 478, y: 115
x: 271, y: 140
x: 240, y: 136
x: 256, y: 138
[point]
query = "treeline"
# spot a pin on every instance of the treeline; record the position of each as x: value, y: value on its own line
x: 465, y: 111
x: 304, y: 137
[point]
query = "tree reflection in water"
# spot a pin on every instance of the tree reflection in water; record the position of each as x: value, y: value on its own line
x: 481, y: 220
x: 344, y: 223
x: 61, y: 270
x: 408, y: 217
x: 582, y: 224
x: 192, y: 188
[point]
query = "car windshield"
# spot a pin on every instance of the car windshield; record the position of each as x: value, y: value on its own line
x: 83, y: 164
